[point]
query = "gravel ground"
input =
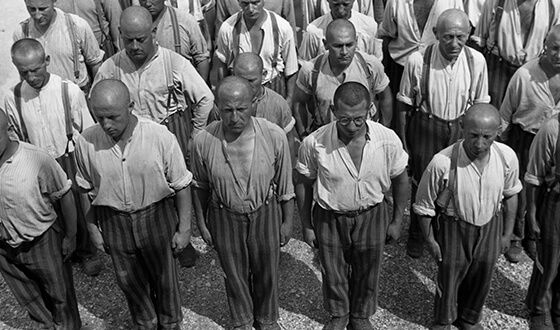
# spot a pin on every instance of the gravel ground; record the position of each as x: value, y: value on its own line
x: 405, y: 298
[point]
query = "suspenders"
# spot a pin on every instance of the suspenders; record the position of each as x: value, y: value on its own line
x: 557, y: 155
x: 175, y: 26
x: 107, y: 42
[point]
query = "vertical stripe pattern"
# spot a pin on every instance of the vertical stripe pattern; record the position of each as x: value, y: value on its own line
x: 469, y: 256
x: 179, y: 124
x: 499, y: 75
x: 277, y: 84
x: 140, y: 245
x: 248, y: 246
x: 41, y: 282
x: 351, y: 255
x: 543, y: 295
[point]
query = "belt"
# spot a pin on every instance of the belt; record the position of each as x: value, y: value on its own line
x: 353, y: 214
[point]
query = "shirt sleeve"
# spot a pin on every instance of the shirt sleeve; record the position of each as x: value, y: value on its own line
x: 289, y: 54
x: 198, y: 166
x: 53, y: 182
x: 399, y: 159
x: 83, y: 179
x: 223, y: 42
x: 288, y: 13
x: 283, y: 167
x: 307, y: 162
x: 310, y: 44
x: 508, y: 107
x: 433, y: 182
x: 481, y: 95
x: 512, y: 184
x: 81, y: 116
x: 304, y: 76
x: 176, y: 173
x: 542, y: 153
x: 388, y: 27
x: 89, y: 45
x: 482, y: 30
x: 409, y: 87
x: 381, y: 79
x: 199, y: 95
x: 198, y: 50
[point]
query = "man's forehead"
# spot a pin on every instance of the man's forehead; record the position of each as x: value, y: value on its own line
x: 246, y: 2
x: 39, y: 3
x: 340, y: 2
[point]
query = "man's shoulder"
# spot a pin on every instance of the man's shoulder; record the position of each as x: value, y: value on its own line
x: 415, y: 59
x: 528, y: 71
x: 362, y: 22
x: 184, y: 16
x: 266, y: 126
x: 283, y: 24
x: 271, y: 96
x: 80, y: 23
x: 319, y: 25
x: 229, y: 23
x: 478, y: 58
x: 507, y: 152
x: 380, y: 133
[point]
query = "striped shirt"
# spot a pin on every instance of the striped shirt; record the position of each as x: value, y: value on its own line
x: 148, y: 86
x: 529, y: 102
x: 44, y: 117
x: 274, y: 108
x: 287, y: 57
x: 31, y: 182
x: 542, y: 155
x: 150, y: 168
x: 510, y: 44
x: 449, y: 84
x: 58, y: 45
x: 478, y: 195
x: 400, y: 25
x: 271, y: 164
x: 339, y: 185
x: 366, y: 34
x: 193, y: 44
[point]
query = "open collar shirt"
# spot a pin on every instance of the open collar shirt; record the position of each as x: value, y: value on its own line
x: 341, y: 187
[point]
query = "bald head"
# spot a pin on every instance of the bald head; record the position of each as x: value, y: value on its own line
x: 134, y: 19
x: 339, y: 27
x: 233, y: 87
x: 235, y: 101
x: 480, y: 128
x: 27, y: 48
x: 249, y: 66
x: 482, y: 115
x: 110, y: 94
x: 453, y: 18
x: 452, y: 32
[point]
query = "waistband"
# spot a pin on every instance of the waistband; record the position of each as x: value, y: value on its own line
x: 353, y: 214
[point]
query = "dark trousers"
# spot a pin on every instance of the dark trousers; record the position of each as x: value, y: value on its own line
x: 426, y: 135
x: 179, y: 124
x: 278, y: 84
x: 469, y: 256
x: 351, y: 254
x: 543, y: 295
x: 248, y: 246
x: 41, y: 282
x: 140, y: 245
x: 394, y: 71
x: 499, y: 75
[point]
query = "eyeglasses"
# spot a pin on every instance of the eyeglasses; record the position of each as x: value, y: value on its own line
x: 358, y: 121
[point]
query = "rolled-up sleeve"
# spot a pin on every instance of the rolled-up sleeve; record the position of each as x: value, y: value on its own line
x: 53, y: 182
x: 307, y: 162
x: 512, y: 184
x: 303, y: 81
x: 176, y: 173
x: 433, y: 182
x: 542, y: 159
x: 199, y: 95
x: 409, y: 88
x: 83, y: 179
x: 283, y: 167
x: 199, y: 170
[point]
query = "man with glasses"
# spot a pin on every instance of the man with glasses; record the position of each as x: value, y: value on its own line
x: 436, y: 89
x: 345, y: 168
x: 341, y: 63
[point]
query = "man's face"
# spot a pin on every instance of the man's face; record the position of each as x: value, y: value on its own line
x: 254, y: 77
x: 113, y: 120
x: 139, y: 43
x: 236, y: 111
x: 553, y: 50
x: 341, y: 46
x: 154, y: 6
x: 452, y: 39
x: 33, y: 69
x: 341, y: 8
x: 350, y: 120
x: 479, y: 138
x: 41, y: 11
x: 252, y: 9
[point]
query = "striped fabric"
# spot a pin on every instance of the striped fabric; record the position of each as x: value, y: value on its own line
x: 248, y: 246
x: 277, y: 84
x: 140, y: 245
x: 543, y: 295
x: 179, y: 124
x: 41, y: 282
x: 351, y: 255
x: 499, y: 75
x: 469, y: 256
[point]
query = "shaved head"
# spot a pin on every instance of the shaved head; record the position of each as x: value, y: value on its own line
x: 110, y: 101
x: 235, y: 101
x: 233, y: 86
x: 28, y: 55
x: 110, y: 93
x: 482, y: 114
x: 135, y: 18
x: 451, y: 18
x: 481, y: 125
x: 27, y: 48
x: 249, y: 66
x: 337, y: 27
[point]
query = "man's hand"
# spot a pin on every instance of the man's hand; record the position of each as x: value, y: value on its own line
x: 434, y: 249
x: 309, y: 237
x: 96, y: 238
x: 393, y: 232
x: 286, y: 231
x: 505, y: 242
x: 180, y: 241
x: 205, y: 233
x: 534, y: 231
x: 68, y: 247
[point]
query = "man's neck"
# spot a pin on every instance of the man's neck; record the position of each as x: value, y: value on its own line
x: 337, y: 68
x: 258, y: 22
x: 334, y: 18
x: 127, y: 134
x: 147, y: 59
x: 232, y: 137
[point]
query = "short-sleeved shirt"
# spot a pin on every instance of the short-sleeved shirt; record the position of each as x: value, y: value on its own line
x: 274, y: 108
x: 529, y: 101
x: 193, y: 44
x: 31, y: 182
x: 366, y: 35
x: 150, y: 168
x: 193, y: 7
x: 339, y: 186
x: 286, y: 59
x: 328, y: 82
x: 542, y: 155
x: 148, y: 86
x: 449, y: 84
x: 87, y: 10
x: 58, y: 45
x: 510, y: 44
x: 271, y: 171
x: 44, y: 116
x: 478, y: 195
x: 400, y: 25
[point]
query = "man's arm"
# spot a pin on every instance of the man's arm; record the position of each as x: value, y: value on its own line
x: 203, y: 68
x: 304, y: 196
x: 386, y: 106
x: 182, y: 236
x: 427, y: 230
x: 200, y: 201
x: 70, y: 224
x: 221, y: 68
x: 113, y: 12
x: 400, y: 120
x: 510, y: 209
x: 290, y: 87
x: 400, y: 200
x: 299, y: 111
x: 94, y: 69
x: 287, y: 227
x: 92, y: 226
x: 534, y: 194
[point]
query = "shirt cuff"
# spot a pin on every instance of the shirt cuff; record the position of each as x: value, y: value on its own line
x: 534, y: 180
x: 303, y: 170
x: 84, y: 184
x: 201, y: 185
x: 58, y: 194
x: 290, y: 126
x: 405, y: 99
x: 221, y: 57
x: 182, y: 182
x: 423, y: 211
x: 286, y: 197
x: 513, y: 191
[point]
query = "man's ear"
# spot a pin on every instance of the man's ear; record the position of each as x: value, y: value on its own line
x: 131, y: 106
x: 47, y: 60
x: 434, y: 29
x: 325, y: 43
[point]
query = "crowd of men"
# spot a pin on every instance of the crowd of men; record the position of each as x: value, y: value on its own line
x: 131, y: 116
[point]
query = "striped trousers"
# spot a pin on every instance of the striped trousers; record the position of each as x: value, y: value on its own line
x: 140, y: 245
x: 278, y: 84
x: 41, y: 282
x: 543, y: 295
x: 499, y: 75
x: 464, y: 276
x: 351, y: 255
x: 426, y: 135
x: 248, y: 246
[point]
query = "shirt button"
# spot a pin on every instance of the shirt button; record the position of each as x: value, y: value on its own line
x: 124, y: 160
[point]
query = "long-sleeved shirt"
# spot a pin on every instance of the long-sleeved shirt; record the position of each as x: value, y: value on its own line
x: 150, y: 168
x: 477, y: 195
x: 58, y: 45
x: 449, y: 86
x: 44, y: 116
x: 31, y: 182
x: 148, y: 86
x: 340, y: 186
x: 400, y: 25
x: 271, y: 170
